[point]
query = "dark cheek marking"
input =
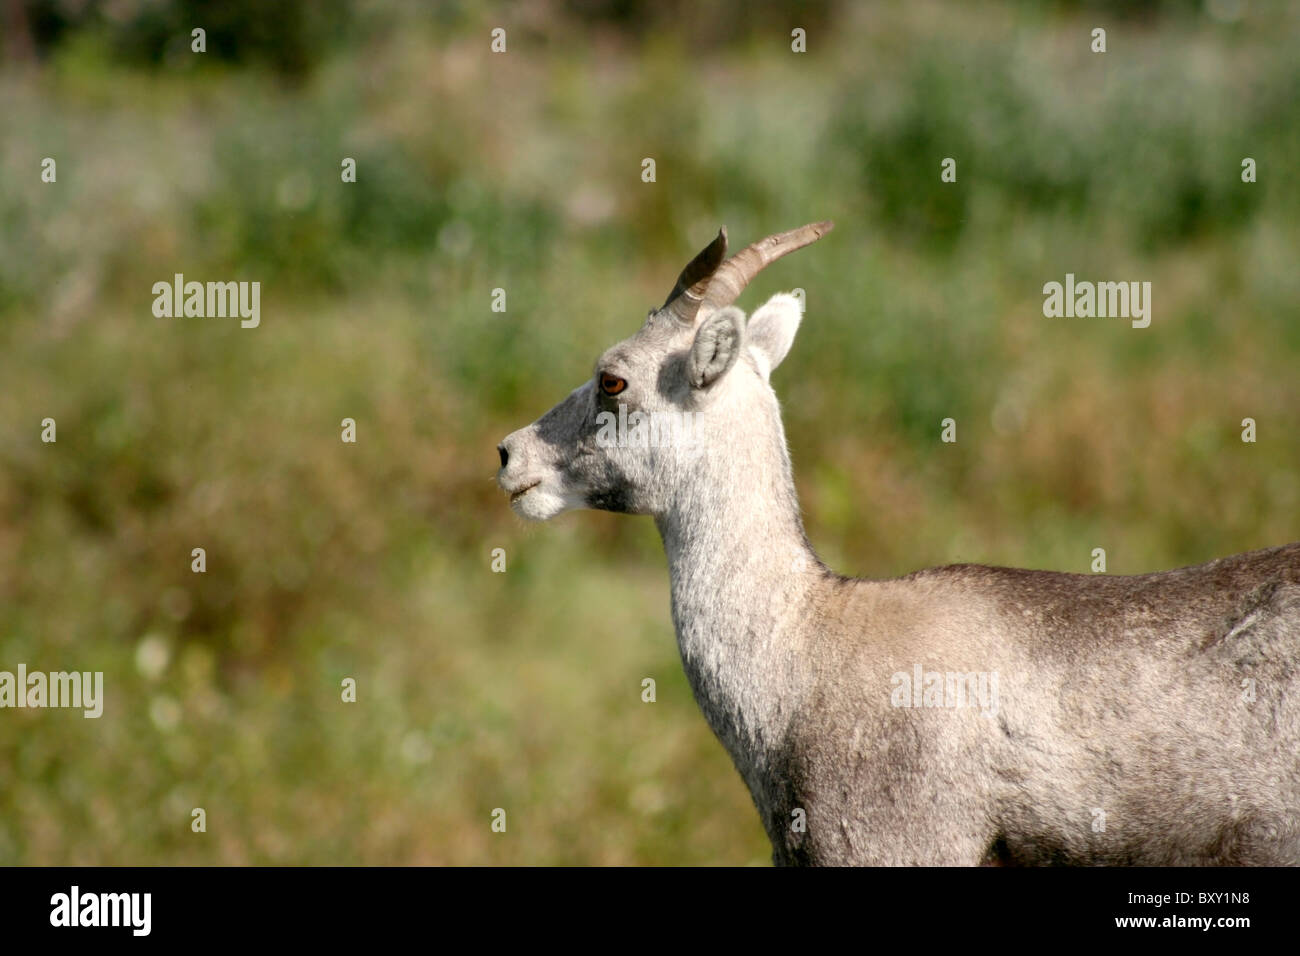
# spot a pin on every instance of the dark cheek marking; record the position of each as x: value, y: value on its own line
x: 567, y: 422
x: 614, y: 495
x: 615, y: 500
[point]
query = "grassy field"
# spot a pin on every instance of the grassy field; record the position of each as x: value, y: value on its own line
x: 522, y: 171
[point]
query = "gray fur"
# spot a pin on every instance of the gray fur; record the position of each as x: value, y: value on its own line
x: 1120, y: 699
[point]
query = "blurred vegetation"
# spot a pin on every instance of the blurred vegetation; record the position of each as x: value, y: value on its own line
x: 522, y: 171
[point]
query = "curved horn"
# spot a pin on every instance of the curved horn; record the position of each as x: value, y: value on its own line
x: 684, y: 301
x: 733, y: 275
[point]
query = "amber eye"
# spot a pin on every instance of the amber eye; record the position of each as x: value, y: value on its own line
x: 611, y: 384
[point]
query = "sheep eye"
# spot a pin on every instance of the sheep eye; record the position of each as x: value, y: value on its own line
x: 611, y: 384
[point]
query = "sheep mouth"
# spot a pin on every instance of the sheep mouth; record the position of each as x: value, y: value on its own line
x: 516, y: 495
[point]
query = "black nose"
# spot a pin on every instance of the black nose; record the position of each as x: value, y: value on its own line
x: 505, y: 455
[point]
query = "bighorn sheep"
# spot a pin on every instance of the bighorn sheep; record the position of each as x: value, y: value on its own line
x: 959, y: 715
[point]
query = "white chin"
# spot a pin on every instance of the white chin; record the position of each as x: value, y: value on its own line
x: 538, y: 504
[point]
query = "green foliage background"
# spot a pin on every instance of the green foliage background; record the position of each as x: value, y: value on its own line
x: 325, y: 560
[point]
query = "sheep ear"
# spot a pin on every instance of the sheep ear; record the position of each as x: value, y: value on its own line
x: 716, y: 346
x: 772, y: 329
